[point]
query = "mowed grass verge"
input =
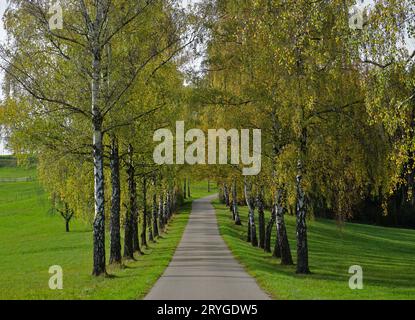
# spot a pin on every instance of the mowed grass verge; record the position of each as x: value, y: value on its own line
x: 386, y: 255
x: 33, y: 240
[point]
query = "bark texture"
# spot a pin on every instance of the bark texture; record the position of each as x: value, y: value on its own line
x: 283, y: 244
x: 169, y: 205
x: 235, y: 211
x: 301, y: 226
x: 166, y: 210
x: 99, y: 219
x: 144, y: 229
x: 115, y: 237
x: 226, y: 195
x: 250, y: 201
x: 277, y: 249
x: 268, y: 231
x: 98, y: 155
x: 155, y: 216
x: 131, y: 208
x: 261, y: 219
x: 160, y: 213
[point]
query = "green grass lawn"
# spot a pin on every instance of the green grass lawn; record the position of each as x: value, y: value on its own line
x: 200, y: 189
x: 33, y: 240
x: 386, y: 255
x: 15, y: 172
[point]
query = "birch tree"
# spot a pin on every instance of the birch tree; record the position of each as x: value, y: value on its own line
x: 40, y: 60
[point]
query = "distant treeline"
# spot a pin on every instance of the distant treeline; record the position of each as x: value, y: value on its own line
x: 11, y: 161
x: 8, y: 161
x: 370, y: 211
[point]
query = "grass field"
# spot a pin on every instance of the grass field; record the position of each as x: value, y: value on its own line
x: 33, y: 240
x: 386, y: 255
x: 14, y: 172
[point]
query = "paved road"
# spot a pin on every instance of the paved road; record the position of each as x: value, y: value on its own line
x: 203, y: 267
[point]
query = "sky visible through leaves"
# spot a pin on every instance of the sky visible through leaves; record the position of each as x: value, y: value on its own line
x: 185, y: 3
x: 3, y: 36
x: 3, y: 5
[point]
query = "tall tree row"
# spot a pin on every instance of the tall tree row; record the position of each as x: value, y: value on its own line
x: 300, y: 73
x: 88, y: 93
x: 335, y: 106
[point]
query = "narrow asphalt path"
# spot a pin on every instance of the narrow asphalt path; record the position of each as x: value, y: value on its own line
x: 203, y: 268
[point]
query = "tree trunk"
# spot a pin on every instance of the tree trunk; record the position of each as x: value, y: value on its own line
x: 277, y: 249
x: 135, y: 214
x: 235, y: 211
x: 169, y: 205
x: 155, y: 220
x: 173, y: 201
x: 151, y: 236
x: 99, y: 219
x: 160, y: 213
x: 268, y: 231
x: 115, y: 238
x: 252, y: 236
x: 188, y: 188
x: 176, y: 201
x: 136, y: 240
x: 261, y: 219
x: 231, y: 208
x: 221, y: 195
x: 284, y: 245
x: 226, y: 195
x: 67, y: 225
x: 130, y: 222
x: 208, y: 186
x: 144, y: 229
x: 166, y: 210
x: 301, y: 211
x: 249, y: 230
x: 128, y: 235
x: 184, y: 189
